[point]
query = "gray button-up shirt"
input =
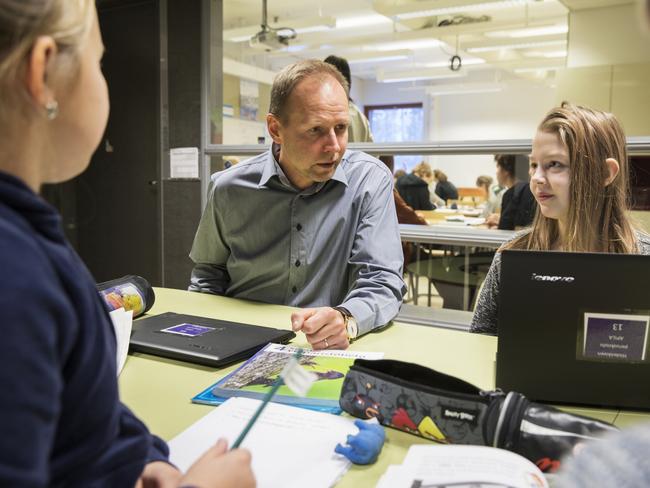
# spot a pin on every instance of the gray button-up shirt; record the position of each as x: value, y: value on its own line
x: 333, y: 244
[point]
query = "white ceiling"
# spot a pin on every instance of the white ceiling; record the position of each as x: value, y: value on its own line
x: 388, y: 40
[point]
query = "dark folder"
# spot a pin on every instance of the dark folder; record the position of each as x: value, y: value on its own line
x: 202, y: 340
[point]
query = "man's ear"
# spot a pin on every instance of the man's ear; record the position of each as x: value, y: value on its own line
x: 613, y: 168
x: 274, y: 126
x: 40, y: 59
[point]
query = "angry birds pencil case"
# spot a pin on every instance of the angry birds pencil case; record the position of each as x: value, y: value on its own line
x: 448, y: 410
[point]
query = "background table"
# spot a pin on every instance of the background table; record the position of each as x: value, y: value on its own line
x: 158, y: 390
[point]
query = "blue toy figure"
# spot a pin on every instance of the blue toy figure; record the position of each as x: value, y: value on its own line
x: 364, y: 447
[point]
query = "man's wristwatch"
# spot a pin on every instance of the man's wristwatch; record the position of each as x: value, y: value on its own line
x: 351, y: 328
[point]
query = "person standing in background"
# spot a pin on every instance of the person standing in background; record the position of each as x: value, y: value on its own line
x: 359, y: 128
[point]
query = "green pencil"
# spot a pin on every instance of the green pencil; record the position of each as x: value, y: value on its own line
x: 267, y: 398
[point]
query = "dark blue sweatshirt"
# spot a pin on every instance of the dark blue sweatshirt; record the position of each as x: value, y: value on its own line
x: 61, y: 421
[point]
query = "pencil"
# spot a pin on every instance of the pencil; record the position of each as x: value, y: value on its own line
x: 267, y: 398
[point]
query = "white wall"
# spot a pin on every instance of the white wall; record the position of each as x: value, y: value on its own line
x: 509, y: 114
x: 612, y: 35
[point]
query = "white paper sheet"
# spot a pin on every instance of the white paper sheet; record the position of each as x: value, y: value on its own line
x: 184, y: 162
x: 290, y: 446
x: 463, y: 466
x: 122, y: 324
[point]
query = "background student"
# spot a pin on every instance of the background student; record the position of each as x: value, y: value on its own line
x: 445, y: 189
x: 62, y: 422
x: 515, y: 204
x: 414, y: 187
x: 579, y: 177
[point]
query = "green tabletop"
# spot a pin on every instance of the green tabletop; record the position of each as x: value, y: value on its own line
x: 159, y: 390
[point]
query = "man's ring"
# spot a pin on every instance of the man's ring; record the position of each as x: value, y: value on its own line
x: 326, y: 343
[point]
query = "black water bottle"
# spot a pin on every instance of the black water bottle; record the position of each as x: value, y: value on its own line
x: 132, y: 292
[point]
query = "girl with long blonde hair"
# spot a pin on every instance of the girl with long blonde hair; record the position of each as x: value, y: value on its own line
x: 579, y: 177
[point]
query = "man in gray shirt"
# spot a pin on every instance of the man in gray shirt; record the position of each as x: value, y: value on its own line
x: 306, y: 224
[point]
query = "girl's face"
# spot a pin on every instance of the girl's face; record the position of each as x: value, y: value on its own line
x: 550, y: 175
x: 83, y: 115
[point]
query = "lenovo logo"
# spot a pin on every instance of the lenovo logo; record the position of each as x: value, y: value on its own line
x: 552, y: 279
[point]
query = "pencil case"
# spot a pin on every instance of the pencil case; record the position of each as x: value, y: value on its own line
x: 448, y: 410
x: 131, y: 292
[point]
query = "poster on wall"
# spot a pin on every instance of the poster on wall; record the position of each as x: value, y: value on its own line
x: 249, y: 99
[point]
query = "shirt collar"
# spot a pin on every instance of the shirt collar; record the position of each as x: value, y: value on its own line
x: 272, y: 168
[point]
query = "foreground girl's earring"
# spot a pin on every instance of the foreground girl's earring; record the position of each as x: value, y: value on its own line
x: 52, y: 109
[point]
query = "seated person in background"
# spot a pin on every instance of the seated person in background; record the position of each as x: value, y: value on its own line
x: 306, y: 224
x: 505, y: 174
x: 405, y: 214
x: 517, y: 202
x: 518, y: 207
x: 414, y: 188
x: 359, y: 128
x: 445, y: 189
x: 492, y: 207
x: 485, y: 182
x: 579, y: 176
x: 62, y: 421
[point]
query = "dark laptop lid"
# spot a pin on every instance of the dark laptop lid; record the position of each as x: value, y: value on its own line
x: 202, y: 340
x: 573, y: 327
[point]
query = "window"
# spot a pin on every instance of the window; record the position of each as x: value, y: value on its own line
x: 397, y: 123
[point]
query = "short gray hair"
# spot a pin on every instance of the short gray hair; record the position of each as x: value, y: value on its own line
x: 287, y: 79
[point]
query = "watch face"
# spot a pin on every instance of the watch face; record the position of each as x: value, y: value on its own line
x: 351, y: 328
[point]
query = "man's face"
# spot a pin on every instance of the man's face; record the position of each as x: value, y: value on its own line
x: 314, y: 136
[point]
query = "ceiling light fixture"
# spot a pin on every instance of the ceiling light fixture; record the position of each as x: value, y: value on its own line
x: 362, y: 21
x: 381, y: 57
x: 547, y: 30
x: 397, y: 78
x: 445, y: 64
x: 405, y: 44
x: 546, y: 54
x: 521, y: 45
x: 469, y: 7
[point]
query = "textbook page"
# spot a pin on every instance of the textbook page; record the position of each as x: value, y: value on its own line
x: 462, y: 466
x: 290, y: 446
x: 122, y: 324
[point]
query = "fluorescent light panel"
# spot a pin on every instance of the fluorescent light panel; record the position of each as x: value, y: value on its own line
x: 378, y: 59
x: 546, y: 54
x: 521, y: 45
x: 362, y: 21
x: 445, y: 64
x: 472, y: 7
x: 398, y: 79
x: 406, y: 44
x: 547, y: 30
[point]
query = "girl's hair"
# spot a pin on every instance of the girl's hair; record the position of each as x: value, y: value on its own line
x: 439, y: 175
x: 597, y: 220
x: 21, y: 23
x: 423, y: 170
x: 484, y: 182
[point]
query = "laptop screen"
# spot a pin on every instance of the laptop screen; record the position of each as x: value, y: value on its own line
x: 573, y: 327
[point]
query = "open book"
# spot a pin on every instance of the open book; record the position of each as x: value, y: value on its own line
x: 254, y: 378
x: 435, y: 466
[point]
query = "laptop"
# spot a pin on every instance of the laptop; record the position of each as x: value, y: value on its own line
x: 573, y: 328
x: 202, y: 340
